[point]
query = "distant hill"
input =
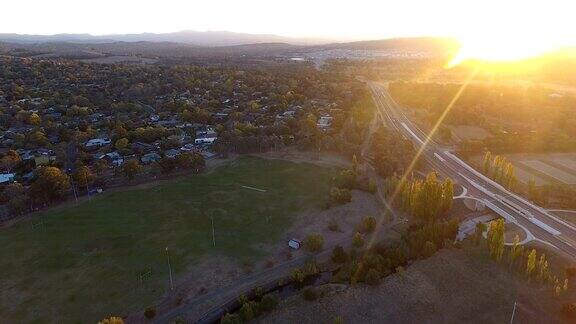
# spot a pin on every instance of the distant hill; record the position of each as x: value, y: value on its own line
x: 180, y: 45
x: 423, y: 44
x: 207, y: 38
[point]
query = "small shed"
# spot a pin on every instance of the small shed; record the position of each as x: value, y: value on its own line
x: 294, y: 244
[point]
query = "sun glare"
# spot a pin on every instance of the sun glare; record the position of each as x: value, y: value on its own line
x: 502, y: 49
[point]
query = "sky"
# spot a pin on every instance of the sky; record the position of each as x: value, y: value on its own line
x: 547, y: 21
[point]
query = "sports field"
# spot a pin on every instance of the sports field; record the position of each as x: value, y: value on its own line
x: 107, y: 256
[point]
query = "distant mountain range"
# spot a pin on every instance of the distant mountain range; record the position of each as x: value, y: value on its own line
x: 207, y: 38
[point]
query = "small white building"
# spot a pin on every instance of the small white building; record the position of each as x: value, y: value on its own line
x: 294, y: 244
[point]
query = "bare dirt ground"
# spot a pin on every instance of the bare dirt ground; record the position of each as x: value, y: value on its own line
x: 464, y: 132
x: 454, y: 286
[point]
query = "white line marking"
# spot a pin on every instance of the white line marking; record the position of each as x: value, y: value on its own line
x: 252, y: 188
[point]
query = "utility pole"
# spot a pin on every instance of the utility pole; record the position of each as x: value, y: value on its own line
x: 169, y: 269
x: 213, y: 231
x: 513, y: 312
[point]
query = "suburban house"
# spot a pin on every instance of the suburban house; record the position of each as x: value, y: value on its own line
x: 150, y: 158
x: 205, y: 139
x: 172, y: 153
x: 6, y: 178
x: 324, y: 122
x: 98, y: 142
x: 113, y: 157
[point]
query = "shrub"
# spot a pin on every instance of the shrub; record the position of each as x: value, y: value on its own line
x: 346, y: 179
x: 372, y: 277
x: 314, y: 242
x: 358, y: 240
x: 112, y: 320
x: 429, y: 249
x: 268, y: 303
x: 368, y: 224
x: 297, y: 276
x: 150, y: 312
x: 339, y: 255
x: 310, y: 293
x: 310, y: 269
x: 340, y: 196
x: 231, y: 319
x: 248, y: 311
x: 333, y: 226
x: 569, y: 310
x: 570, y: 272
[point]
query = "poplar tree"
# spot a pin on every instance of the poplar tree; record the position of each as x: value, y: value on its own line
x: 531, y: 262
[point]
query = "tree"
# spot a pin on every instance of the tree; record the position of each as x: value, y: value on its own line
x: 372, y: 277
x: 231, y: 319
x: 34, y: 119
x: 50, y: 185
x: 368, y: 224
x: 447, y: 195
x: 516, y: 250
x: 121, y: 144
x: 10, y: 160
x: 355, y: 164
x: 83, y: 176
x: 429, y: 249
x: 268, y: 303
x: 297, y: 276
x: 112, y: 320
x: 340, y: 196
x: 131, y: 169
x: 339, y: 255
x: 314, y: 242
x: 488, y: 163
x: 248, y: 311
x: 358, y: 240
x: 531, y: 262
x: 150, y: 312
x: 309, y: 293
x: 478, y: 231
x: 496, y: 239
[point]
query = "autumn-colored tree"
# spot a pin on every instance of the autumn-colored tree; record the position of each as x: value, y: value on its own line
x: 112, y: 320
x: 358, y: 240
x: 531, y: 262
x: 50, y: 185
x: 496, y: 239
x: 34, y: 119
x: 83, y: 176
x: 9, y: 160
x: 314, y: 242
x: 121, y: 144
x: 131, y: 168
x: 516, y: 250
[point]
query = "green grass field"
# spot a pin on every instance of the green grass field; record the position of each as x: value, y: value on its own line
x: 80, y: 263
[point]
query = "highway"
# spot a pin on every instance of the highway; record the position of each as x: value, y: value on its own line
x: 538, y: 222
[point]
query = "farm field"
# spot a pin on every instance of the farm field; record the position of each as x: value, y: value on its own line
x: 542, y: 168
x: 545, y: 168
x: 107, y: 256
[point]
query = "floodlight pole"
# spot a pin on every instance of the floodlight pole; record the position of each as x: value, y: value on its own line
x: 513, y: 312
x: 213, y: 232
x: 169, y: 269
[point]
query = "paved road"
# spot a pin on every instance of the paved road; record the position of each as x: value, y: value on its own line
x: 540, y: 224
